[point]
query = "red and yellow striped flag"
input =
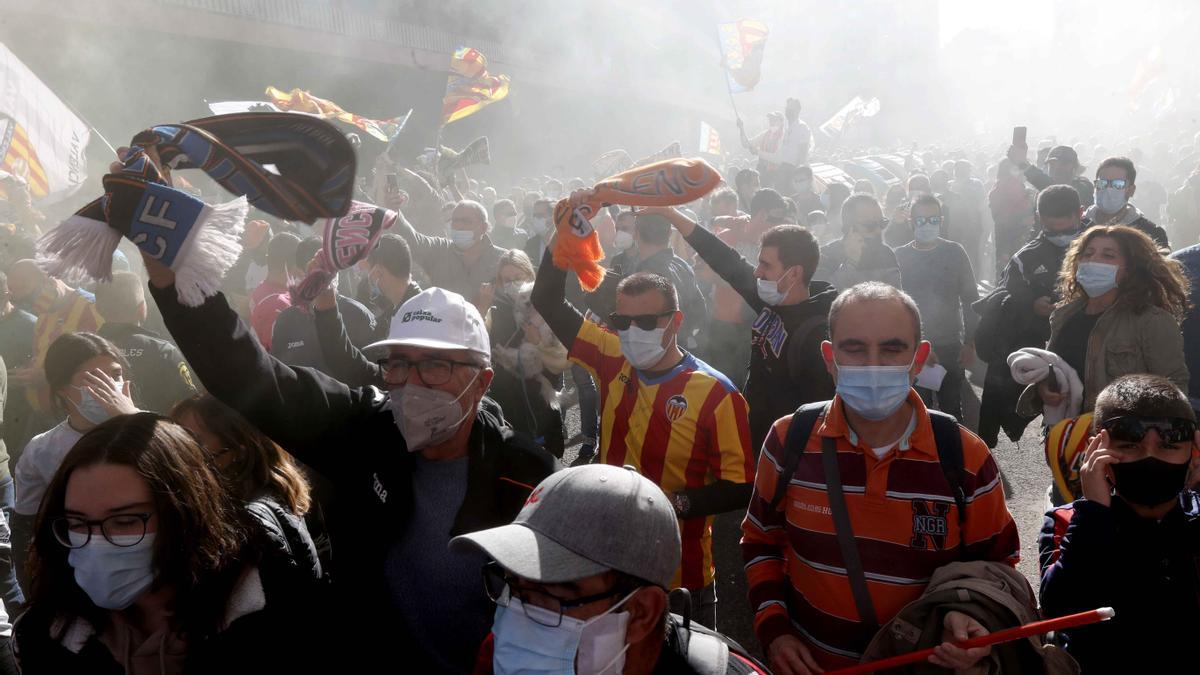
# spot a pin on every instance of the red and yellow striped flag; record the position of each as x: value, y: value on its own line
x: 302, y: 101
x: 470, y: 87
x: 21, y: 160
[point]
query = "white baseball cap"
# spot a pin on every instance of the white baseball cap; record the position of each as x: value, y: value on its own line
x: 438, y: 319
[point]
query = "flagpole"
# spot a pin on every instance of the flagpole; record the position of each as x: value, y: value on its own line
x: 725, y: 73
x: 89, y: 124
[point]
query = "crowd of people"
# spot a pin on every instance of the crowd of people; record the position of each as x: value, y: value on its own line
x: 786, y: 396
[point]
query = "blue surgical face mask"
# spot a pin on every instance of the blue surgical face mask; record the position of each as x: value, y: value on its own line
x: 89, y: 408
x: 463, y: 239
x: 1111, y: 200
x: 770, y: 293
x: 1061, y: 240
x: 113, y: 576
x: 875, y: 392
x: 523, y: 645
x: 1096, y: 278
x: 927, y: 233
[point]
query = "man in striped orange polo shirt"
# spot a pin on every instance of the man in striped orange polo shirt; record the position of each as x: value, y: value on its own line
x: 902, y: 509
x: 674, y: 418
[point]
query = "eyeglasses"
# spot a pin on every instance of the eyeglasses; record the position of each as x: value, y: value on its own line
x: 875, y: 225
x: 1117, y: 183
x: 927, y: 220
x: 500, y: 588
x: 643, y: 321
x: 123, y: 529
x: 432, y: 371
x: 1131, y: 429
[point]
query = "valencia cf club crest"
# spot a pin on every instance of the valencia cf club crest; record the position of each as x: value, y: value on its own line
x: 676, y: 407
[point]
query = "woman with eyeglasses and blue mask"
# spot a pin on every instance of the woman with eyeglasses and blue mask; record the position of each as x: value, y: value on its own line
x: 86, y: 377
x: 1132, y: 541
x: 1114, y: 188
x: 1119, y: 313
x: 143, y: 562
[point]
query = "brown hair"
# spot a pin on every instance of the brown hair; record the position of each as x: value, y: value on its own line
x: 260, y: 466
x: 1150, y: 278
x: 796, y: 246
x: 202, y: 536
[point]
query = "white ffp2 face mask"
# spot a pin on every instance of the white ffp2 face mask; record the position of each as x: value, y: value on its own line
x: 427, y: 416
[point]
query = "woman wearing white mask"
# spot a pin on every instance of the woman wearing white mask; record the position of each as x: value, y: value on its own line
x: 530, y: 360
x: 86, y: 375
x: 1119, y: 313
x: 144, y: 563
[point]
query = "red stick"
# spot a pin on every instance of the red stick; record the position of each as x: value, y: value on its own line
x: 1007, y: 635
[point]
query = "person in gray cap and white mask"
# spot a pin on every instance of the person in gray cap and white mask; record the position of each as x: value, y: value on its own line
x: 580, y: 583
x: 427, y: 459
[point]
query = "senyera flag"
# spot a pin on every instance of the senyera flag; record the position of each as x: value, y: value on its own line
x: 710, y: 140
x: 742, y: 45
x: 298, y: 100
x: 470, y: 87
x: 41, y: 140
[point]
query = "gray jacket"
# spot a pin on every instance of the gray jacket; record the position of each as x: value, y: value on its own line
x: 445, y: 265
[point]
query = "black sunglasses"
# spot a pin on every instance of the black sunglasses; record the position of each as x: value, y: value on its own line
x: 643, y: 321
x: 1171, y: 430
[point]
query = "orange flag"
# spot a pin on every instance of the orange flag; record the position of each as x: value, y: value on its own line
x: 666, y: 183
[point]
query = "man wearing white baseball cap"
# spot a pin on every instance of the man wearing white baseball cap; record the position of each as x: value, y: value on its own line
x: 425, y: 459
x: 580, y: 583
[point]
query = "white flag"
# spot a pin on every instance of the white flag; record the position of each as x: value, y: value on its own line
x: 41, y: 140
x: 857, y: 108
x: 227, y: 107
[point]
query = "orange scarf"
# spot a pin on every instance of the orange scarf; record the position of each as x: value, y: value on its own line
x: 666, y: 183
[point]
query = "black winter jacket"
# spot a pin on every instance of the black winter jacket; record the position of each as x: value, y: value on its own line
x: 350, y: 437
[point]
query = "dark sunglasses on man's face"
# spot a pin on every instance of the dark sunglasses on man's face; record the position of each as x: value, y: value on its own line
x: 1118, y: 183
x: 643, y: 321
x: 1171, y: 430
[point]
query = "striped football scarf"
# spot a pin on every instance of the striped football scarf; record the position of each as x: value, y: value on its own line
x: 290, y: 166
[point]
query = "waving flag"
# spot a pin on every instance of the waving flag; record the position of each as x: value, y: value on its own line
x: 710, y: 140
x: 470, y: 87
x: 298, y: 100
x: 41, y: 141
x: 856, y: 109
x: 742, y: 45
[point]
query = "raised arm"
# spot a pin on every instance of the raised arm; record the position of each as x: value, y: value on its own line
x: 303, y: 410
x: 550, y: 300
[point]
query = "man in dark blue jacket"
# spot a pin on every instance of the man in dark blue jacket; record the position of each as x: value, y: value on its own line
x: 1132, y: 542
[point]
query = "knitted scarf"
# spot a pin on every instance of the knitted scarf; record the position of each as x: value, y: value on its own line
x: 291, y: 166
x: 348, y: 240
x: 665, y: 183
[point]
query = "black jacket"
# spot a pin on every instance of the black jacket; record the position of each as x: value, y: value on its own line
x: 294, y: 338
x: 159, y: 376
x: 1149, y: 572
x: 287, y: 537
x: 1032, y: 273
x: 259, y: 639
x: 344, y: 361
x: 350, y: 436
x: 786, y: 368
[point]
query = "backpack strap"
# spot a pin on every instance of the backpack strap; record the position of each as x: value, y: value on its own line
x: 845, y: 536
x: 707, y: 654
x: 948, y: 438
x: 800, y: 428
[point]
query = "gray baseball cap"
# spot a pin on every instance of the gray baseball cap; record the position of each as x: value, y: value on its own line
x: 583, y: 521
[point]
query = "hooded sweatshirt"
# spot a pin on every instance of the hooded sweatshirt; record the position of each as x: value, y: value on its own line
x: 1131, y: 216
x: 786, y: 367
